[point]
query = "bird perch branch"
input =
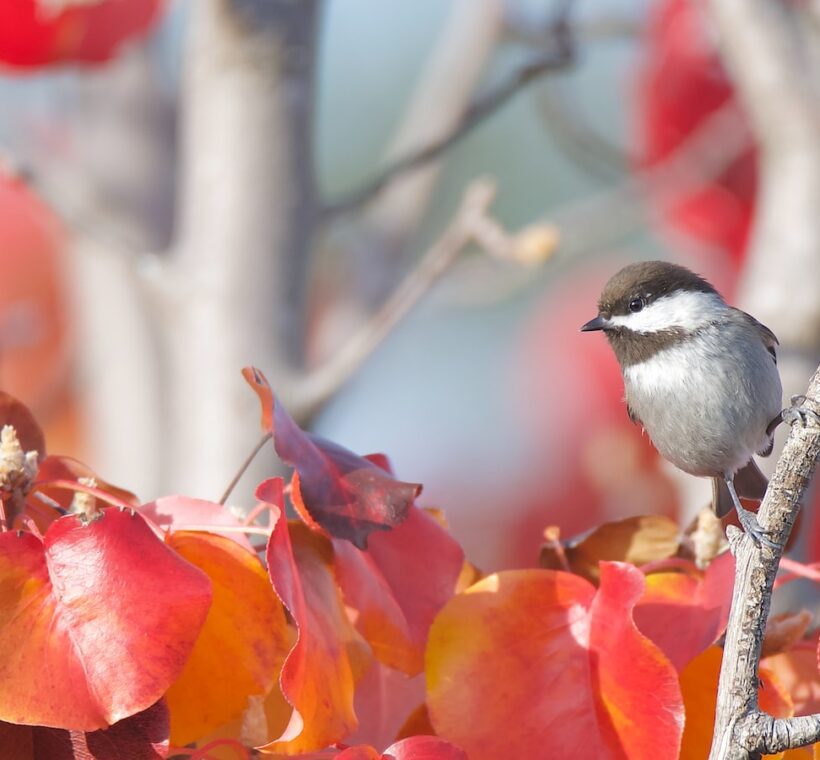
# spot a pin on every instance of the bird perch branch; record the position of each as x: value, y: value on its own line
x: 742, y: 731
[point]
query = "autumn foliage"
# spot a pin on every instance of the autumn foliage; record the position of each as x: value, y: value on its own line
x: 355, y: 629
x: 34, y: 33
x: 336, y: 617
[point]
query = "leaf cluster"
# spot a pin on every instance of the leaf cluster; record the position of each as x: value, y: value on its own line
x: 355, y: 629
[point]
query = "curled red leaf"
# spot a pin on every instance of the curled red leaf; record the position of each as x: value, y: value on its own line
x: 346, y: 495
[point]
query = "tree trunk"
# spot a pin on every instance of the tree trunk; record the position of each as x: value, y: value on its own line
x: 240, y: 269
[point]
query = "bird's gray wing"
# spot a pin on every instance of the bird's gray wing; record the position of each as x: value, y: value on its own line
x: 766, y: 335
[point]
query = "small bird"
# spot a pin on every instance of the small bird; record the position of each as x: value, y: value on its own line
x: 700, y: 376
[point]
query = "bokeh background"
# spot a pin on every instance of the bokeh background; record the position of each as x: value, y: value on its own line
x: 187, y: 187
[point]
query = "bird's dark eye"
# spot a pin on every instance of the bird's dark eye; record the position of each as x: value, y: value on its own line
x: 635, y: 305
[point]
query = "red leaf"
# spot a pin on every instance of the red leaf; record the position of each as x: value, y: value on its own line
x: 143, y: 736
x: 424, y: 748
x: 683, y: 84
x: 17, y: 414
x: 345, y: 494
x: 319, y: 674
x: 397, y: 595
x: 684, y: 613
x: 414, y: 748
x: 36, y: 315
x: 96, y: 621
x: 66, y: 468
x: 33, y: 34
x: 550, y: 662
x: 385, y: 698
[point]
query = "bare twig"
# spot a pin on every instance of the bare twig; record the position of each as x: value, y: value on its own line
x: 520, y: 26
x: 599, y: 219
x: 589, y: 148
x: 742, y: 731
x: 244, y: 466
x: 558, y: 58
x: 466, y: 225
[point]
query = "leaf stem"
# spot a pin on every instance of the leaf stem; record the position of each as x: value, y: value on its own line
x: 247, y: 463
x: 98, y: 493
x: 250, y: 530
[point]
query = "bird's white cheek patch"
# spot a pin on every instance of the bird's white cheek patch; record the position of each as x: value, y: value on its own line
x: 688, y: 310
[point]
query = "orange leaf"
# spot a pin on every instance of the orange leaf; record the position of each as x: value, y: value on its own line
x: 345, y: 494
x: 395, y: 594
x: 797, y: 671
x: 685, y: 612
x: 784, y: 631
x: 242, y: 645
x: 699, y: 682
x: 803, y: 753
x: 564, y: 665
x: 319, y: 674
x: 637, y: 540
x: 96, y: 621
x: 143, y: 736
x: 418, y: 722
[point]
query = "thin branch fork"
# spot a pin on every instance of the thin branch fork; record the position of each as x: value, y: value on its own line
x: 557, y: 58
x: 468, y: 225
x: 742, y: 731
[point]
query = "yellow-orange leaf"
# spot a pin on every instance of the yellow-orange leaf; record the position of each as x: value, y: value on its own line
x: 243, y: 643
x: 699, y: 681
x: 532, y: 659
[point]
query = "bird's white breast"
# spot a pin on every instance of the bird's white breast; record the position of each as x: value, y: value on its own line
x: 706, y: 401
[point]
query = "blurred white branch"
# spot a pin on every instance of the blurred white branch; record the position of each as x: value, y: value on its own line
x: 433, y: 112
x: 772, y: 55
x: 239, y: 271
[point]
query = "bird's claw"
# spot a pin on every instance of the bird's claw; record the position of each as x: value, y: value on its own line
x: 752, y: 527
x: 799, y: 413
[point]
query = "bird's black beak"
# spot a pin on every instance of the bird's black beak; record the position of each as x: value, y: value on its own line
x: 593, y: 324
